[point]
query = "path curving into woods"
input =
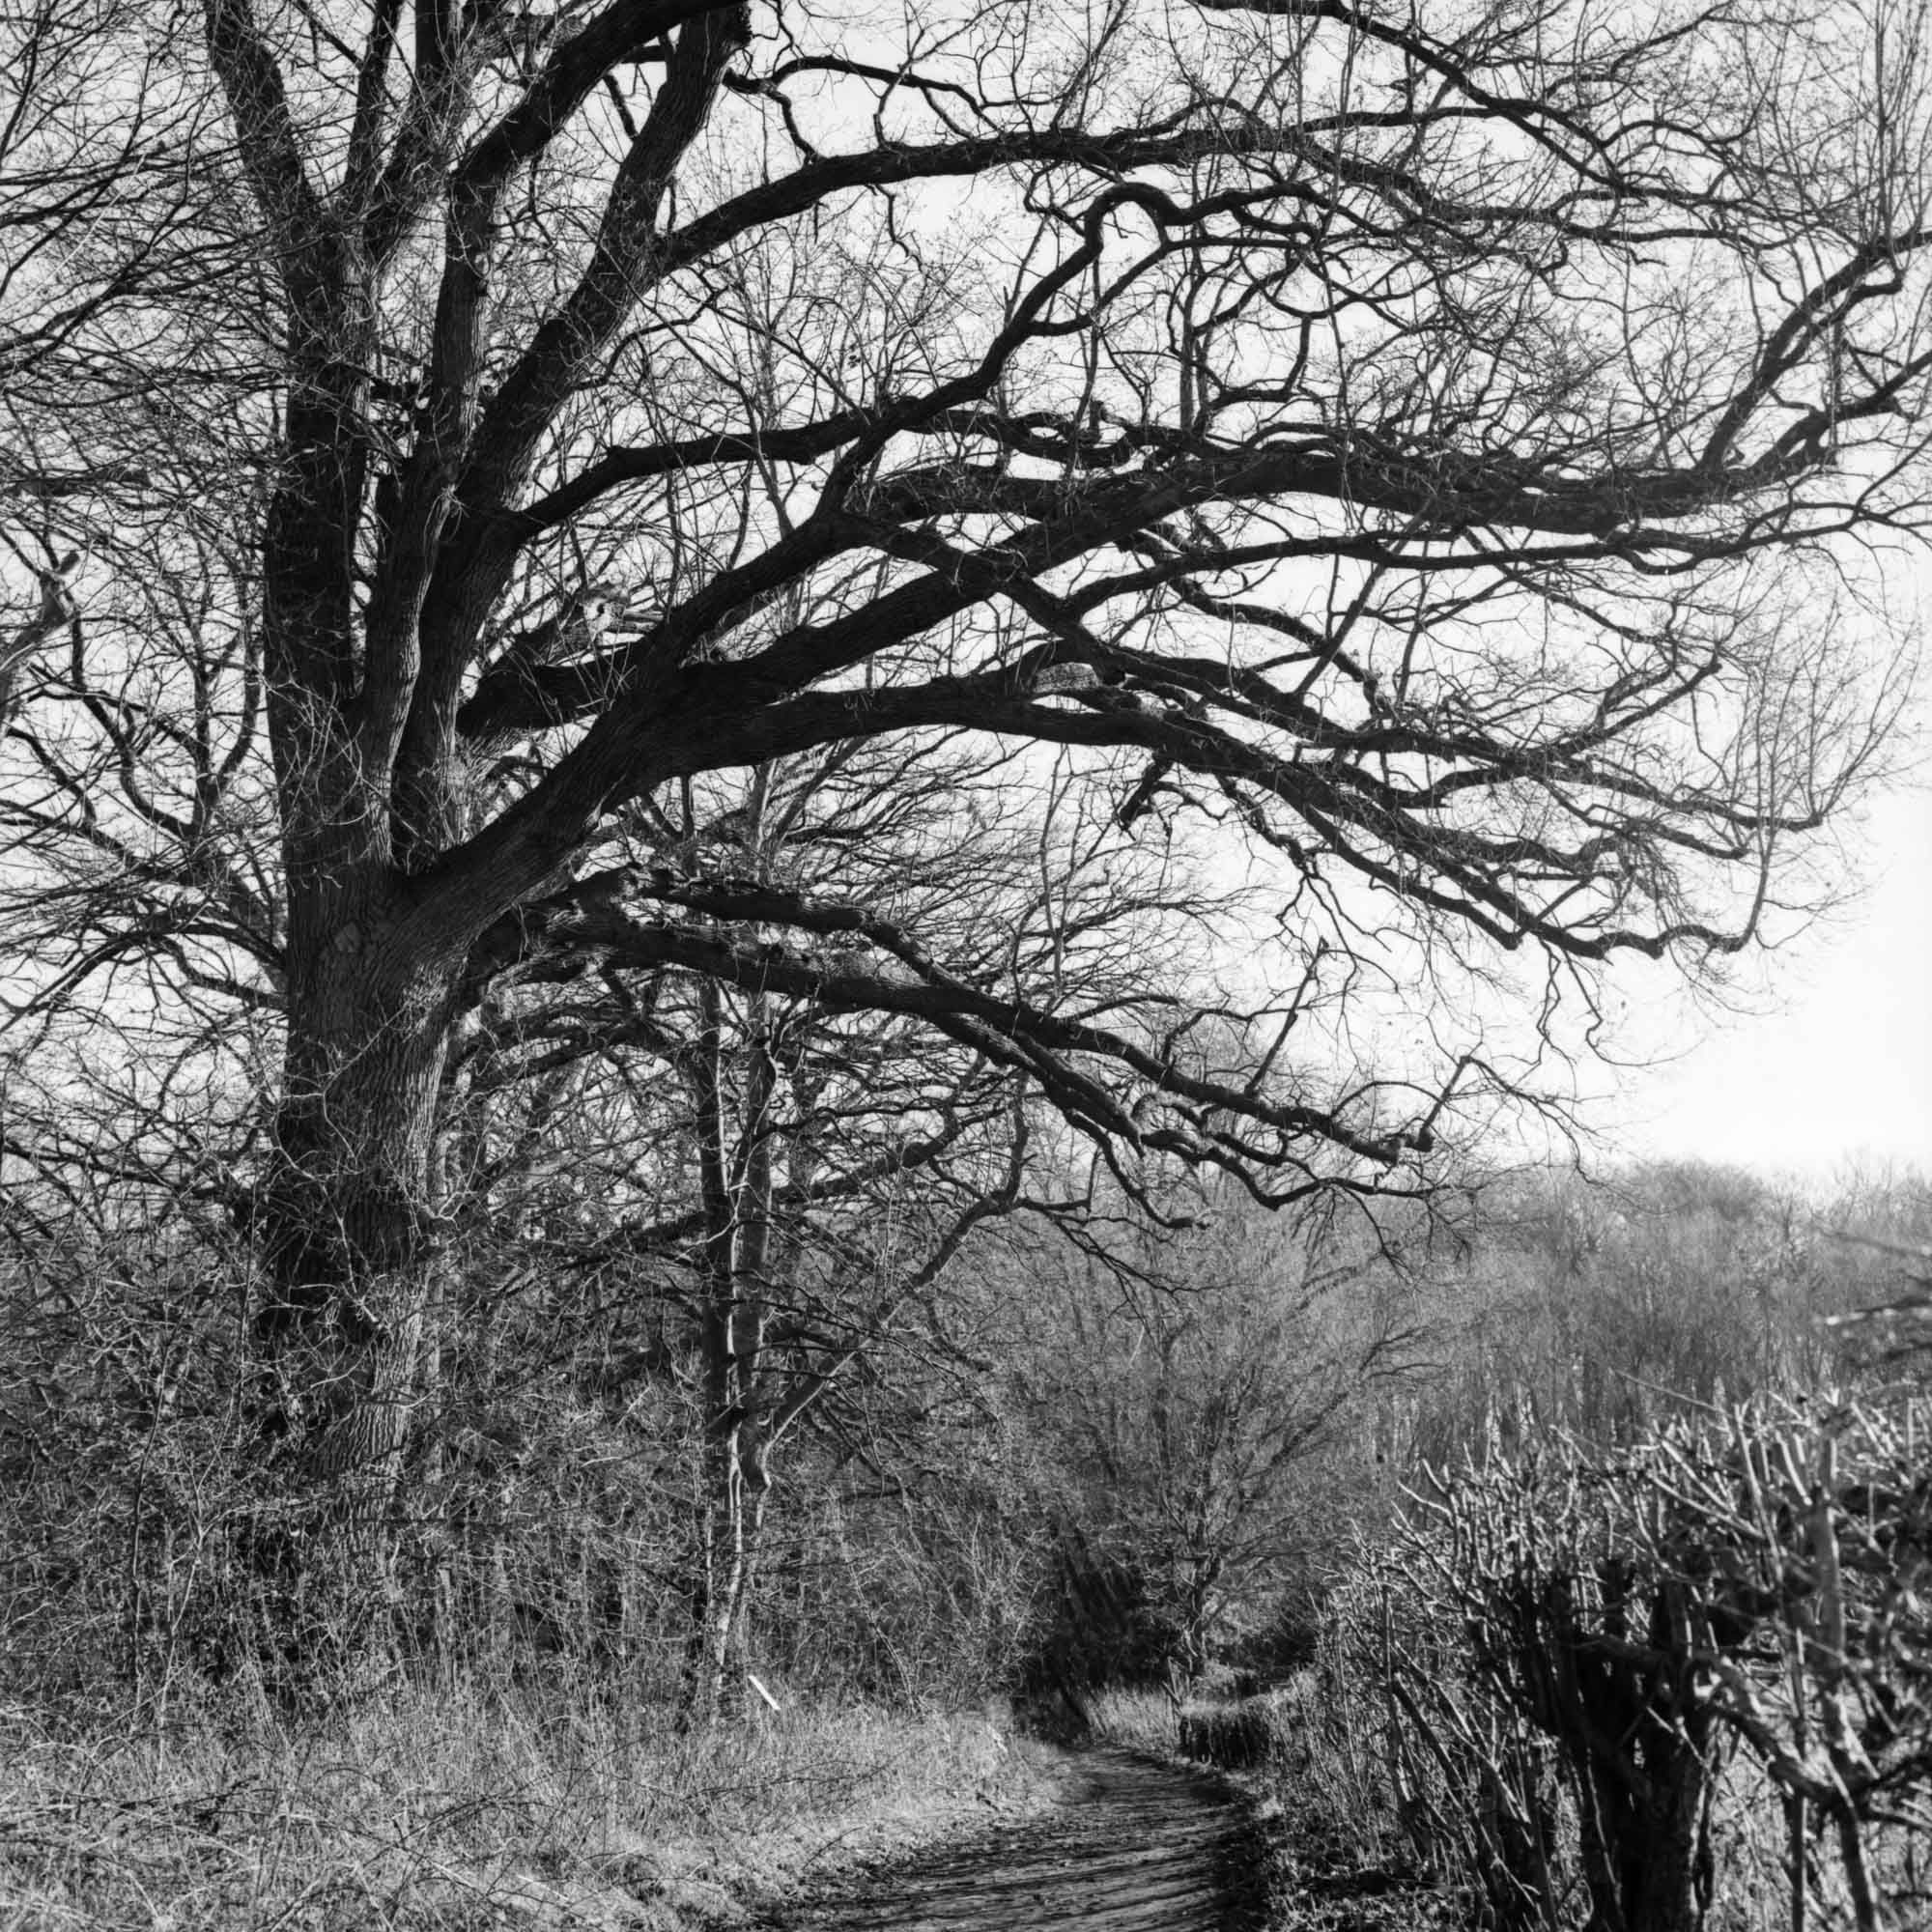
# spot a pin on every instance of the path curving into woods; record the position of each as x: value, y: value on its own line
x: 1134, y: 1846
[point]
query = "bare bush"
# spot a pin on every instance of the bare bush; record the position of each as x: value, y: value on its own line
x: 1592, y: 1673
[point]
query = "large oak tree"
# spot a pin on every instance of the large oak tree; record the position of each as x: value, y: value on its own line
x: 1432, y: 454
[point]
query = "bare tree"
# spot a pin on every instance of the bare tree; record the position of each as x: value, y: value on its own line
x: 1413, y: 451
x: 1186, y: 1388
x: 806, y: 1176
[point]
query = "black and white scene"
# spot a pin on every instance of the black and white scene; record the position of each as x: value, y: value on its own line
x: 964, y: 965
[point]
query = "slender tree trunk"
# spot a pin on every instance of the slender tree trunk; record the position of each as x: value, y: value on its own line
x: 711, y: 1688
x: 736, y: 1182
x: 756, y: 1491
x: 751, y: 1263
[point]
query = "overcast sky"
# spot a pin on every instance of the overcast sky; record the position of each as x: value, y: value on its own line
x: 1837, y: 1063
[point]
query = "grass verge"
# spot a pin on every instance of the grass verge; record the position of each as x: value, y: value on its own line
x: 462, y: 1811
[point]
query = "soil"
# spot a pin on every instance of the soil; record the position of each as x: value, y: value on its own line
x: 1133, y: 1846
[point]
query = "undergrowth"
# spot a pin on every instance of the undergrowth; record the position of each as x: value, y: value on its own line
x: 463, y: 1811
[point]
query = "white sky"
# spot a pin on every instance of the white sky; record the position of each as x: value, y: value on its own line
x: 1834, y: 1064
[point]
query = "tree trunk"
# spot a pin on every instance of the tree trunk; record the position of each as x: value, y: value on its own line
x: 1636, y: 1738
x: 351, y: 1245
x: 736, y: 1182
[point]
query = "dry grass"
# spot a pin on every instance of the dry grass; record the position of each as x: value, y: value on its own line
x: 460, y: 1813
x: 1138, y: 1720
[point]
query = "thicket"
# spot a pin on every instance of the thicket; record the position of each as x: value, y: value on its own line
x: 1643, y: 1645
x: 1685, y: 1682
x: 1132, y: 1456
x: 553, y: 1531
x: 1089, y: 1462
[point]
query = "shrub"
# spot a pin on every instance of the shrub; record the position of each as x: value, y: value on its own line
x: 1243, y: 1736
x: 1592, y: 1674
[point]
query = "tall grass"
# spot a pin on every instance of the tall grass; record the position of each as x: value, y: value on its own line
x: 467, y: 1809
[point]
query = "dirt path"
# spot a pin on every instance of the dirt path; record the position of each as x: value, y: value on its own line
x: 1134, y: 1847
